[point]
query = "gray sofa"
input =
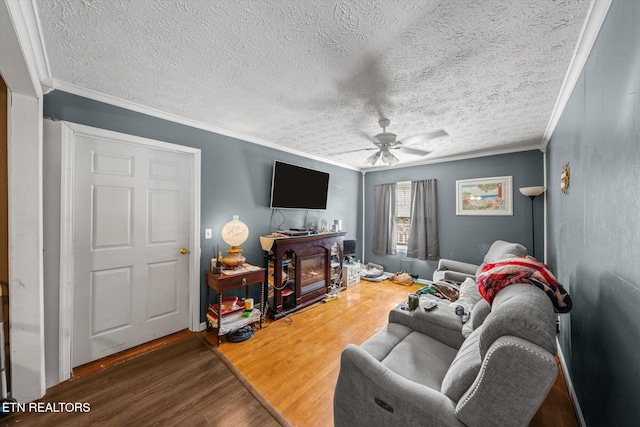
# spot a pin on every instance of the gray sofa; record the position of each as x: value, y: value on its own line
x: 420, y: 370
x: 457, y: 271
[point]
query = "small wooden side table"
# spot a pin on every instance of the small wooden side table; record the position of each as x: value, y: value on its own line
x: 224, y: 282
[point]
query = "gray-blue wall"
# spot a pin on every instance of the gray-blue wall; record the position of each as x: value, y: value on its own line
x: 594, y: 230
x: 466, y: 238
x: 236, y: 175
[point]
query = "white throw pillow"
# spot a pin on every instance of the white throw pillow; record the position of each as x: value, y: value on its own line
x: 469, y: 295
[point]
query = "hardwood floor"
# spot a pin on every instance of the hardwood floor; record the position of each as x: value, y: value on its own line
x: 557, y: 409
x: 294, y: 362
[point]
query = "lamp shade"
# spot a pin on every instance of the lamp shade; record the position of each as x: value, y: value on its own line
x: 389, y: 158
x: 372, y: 159
x: 235, y: 232
x: 532, y: 191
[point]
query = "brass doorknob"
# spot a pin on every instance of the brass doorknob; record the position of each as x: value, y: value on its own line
x: 184, y: 251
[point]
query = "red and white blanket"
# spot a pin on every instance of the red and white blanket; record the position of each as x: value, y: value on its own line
x: 497, y: 275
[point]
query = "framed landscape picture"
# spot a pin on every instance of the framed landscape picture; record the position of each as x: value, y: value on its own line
x: 484, y: 196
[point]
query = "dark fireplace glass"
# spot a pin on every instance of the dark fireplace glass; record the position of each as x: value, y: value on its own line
x: 312, y: 274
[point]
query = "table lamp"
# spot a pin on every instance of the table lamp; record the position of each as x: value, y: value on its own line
x: 234, y: 233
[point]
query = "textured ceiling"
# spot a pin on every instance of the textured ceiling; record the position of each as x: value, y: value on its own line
x: 314, y: 75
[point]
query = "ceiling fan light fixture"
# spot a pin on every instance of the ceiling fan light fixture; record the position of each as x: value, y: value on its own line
x: 372, y: 159
x: 386, y: 141
x: 389, y: 158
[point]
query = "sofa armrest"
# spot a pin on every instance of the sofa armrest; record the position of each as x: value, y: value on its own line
x: 458, y: 266
x: 368, y: 394
x: 442, y: 323
x: 515, y: 374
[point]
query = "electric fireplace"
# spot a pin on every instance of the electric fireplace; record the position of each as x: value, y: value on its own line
x: 302, y: 270
x: 312, y: 273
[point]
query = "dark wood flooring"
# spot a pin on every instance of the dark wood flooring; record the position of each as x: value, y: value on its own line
x: 183, y: 384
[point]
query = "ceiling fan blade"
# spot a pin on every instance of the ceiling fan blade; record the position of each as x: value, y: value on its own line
x: 353, y: 151
x: 424, y: 136
x: 369, y: 83
x: 410, y: 150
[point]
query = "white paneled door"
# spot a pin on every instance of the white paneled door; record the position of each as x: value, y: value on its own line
x: 131, y: 222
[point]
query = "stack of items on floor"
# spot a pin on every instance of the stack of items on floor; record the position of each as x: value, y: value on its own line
x: 233, y: 314
x: 428, y: 367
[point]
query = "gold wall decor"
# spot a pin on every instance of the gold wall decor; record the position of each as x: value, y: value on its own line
x: 564, y: 178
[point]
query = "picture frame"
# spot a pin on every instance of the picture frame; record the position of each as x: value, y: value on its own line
x: 485, y: 196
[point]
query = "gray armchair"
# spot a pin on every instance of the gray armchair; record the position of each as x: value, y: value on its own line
x: 458, y: 271
x: 498, y: 376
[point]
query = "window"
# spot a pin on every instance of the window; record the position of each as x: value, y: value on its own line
x: 403, y: 214
x: 407, y: 225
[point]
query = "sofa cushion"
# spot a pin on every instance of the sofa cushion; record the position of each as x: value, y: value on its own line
x: 385, y: 340
x: 501, y: 249
x: 469, y: 295
x: 524, y: 311
x: 464, y: 369
x: 421, y: 359
x: 479, y: 312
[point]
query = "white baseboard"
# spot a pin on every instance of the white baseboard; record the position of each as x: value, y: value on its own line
x: 572, y: 392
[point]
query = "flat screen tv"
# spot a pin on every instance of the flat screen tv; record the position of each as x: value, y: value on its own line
x: 296, y: 187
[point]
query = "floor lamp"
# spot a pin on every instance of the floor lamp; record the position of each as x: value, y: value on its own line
x: 532, y: 193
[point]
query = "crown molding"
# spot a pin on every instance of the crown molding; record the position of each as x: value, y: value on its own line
x: 588, y: 35
x: 24, y: 16
x: 132, y: 106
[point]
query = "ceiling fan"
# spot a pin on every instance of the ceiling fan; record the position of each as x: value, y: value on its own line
x: 387, y: 141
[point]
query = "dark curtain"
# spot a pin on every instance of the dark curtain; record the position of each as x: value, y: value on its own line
x: 384, y: 219
x: 423, y: 232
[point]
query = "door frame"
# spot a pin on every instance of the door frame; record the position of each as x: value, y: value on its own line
x: 69, y: 133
